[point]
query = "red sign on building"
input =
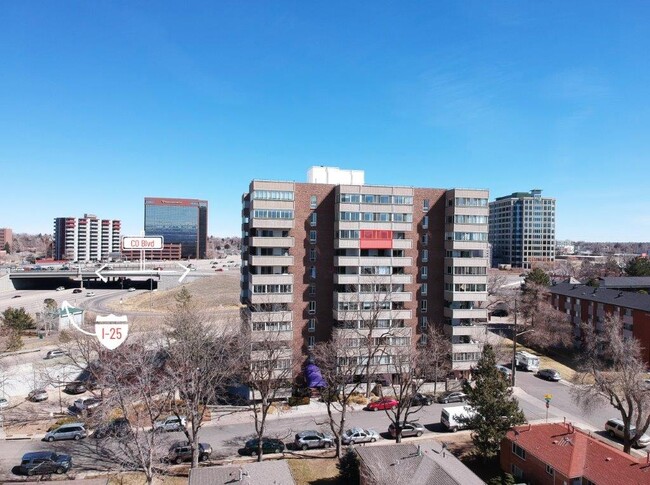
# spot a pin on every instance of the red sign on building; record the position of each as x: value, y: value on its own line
x: 376, y: 239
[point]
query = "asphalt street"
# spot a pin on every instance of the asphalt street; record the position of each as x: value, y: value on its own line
x: 227, y: 439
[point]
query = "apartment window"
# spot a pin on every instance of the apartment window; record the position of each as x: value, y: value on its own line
x: 313, y: 200
x: 312, y: 254
x: 424, y: 322
x: 424, y: 289
x: 517, y: 472
x: 311, y: 341
x: 425, y: 238
x: 425, y: 255
x: 424, y: 339
x: 549, y: 470
x: 425, y: 205
x: 312, y: 289
x: 312, y: 272
x: 312, y: 219
x: 423, y: 306
x: 425, y: 222
x: 519, y: 451
x: 311, y: 325
x: 312, y: 237
x: 424, y: 272
x: 312, y: 307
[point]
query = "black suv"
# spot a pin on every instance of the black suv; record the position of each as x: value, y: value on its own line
x: 269, y: 445
x: 75, y: 388
x: 119, y: 427
x: 181, y: 451
x: 421, y: 400
x: 44, y: 463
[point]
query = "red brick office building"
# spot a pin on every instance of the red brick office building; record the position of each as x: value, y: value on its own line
x: 313, y: 252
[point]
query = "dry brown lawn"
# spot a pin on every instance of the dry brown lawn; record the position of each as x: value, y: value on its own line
x: 139, y: 479
x: 218, y: 293
x: 314, y: 471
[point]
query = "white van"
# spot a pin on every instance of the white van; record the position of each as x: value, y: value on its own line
x: 448, y: 416
x: 527, y: 361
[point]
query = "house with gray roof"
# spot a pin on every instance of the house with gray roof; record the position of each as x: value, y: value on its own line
x: 269, y: 472
x: 426, y: 463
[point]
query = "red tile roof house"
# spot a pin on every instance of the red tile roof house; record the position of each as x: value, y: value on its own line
x: 560, y: 454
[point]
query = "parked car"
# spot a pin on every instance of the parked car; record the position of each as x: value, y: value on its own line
x: 452, y: 396
x: 53, y: 354
x: 421, y: 400
x: 269, y: 445
x: 359, y: 435
x: 77, y: 290
x: 171, y: 423
x: 409, y: 429
x: 75, y: 388
x: 70, y: 431
x: 4, y: 403
x: 87, y: 404
x: 383, y: 403
x: 37, y: 395
x: 615, y: 428
x: 313, y: 439
x: 181, y: 451
x: 90, y: 293
x: 44, y: 463
x: 119, y: 428
x: 505, y: 372
x: 549, y: 374
x: 131, y: 289
x: 60, y: 288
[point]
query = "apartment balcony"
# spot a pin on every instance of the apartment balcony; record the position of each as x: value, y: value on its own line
x: 271, y: 279
x: 471, y: 347
x: 369, y: 297
x: 368, y: 315
x: 271, y: 260
x: 475, y: 313
x: 464, y: 365
x: 457, y: 278
x: 346, y: 244
x: 465, y: 245
x: 402, y: 243
x: 473, y: 262
x: 376, y: 332
x: 466, y: 295
x: 475, y: 332
x: 256, y: 204
x: 264, y: 355
x: 272, y: 336
x: 272, y: 223
x: 272, y: 242
x: 273, y: 316
x: 346, y: 279
x: 270, y: 298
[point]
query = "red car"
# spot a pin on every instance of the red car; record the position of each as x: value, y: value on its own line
x: 383, y: 403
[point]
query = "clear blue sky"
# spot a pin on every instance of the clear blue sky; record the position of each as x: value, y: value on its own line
x: 104, y: 103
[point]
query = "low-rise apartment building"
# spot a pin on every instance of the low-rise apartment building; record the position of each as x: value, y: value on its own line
x: 559, y: 453
x: 588, y: 304
x: 333, y: 254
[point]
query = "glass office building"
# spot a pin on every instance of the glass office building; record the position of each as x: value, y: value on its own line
x: 178, y: 221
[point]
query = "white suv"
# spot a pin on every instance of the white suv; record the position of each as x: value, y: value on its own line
x: 614, y: 428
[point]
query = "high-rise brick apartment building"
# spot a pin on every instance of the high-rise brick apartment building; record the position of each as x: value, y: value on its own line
x: 6, y: 237
x: 314, y: 254
x: 86, y: 238
x: 522, y: 229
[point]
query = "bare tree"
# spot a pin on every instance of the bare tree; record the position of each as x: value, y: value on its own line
x: 267, y: 332
x: 365, y: 312
x: 340, y: 365
x: 612, y: 370
x: 203, y: 357
x: 542, y: 325
x: 414, y: 365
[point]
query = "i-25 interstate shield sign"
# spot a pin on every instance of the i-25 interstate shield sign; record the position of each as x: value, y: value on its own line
x: 111, y: 330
